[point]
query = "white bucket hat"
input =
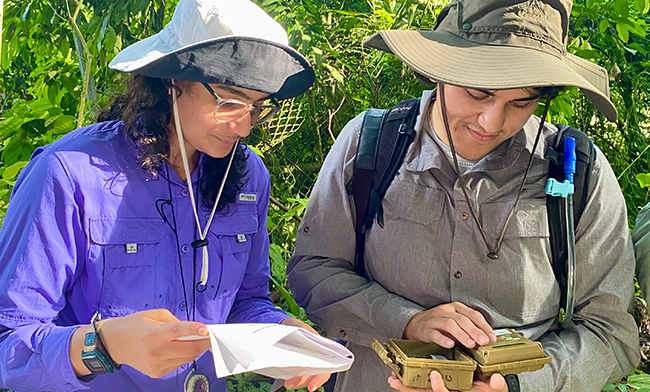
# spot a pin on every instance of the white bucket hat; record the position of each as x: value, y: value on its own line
x: 231, y: 42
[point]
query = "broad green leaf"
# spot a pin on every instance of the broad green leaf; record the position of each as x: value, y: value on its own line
x: 635, y: 46
x: 622, y: 7
x: 35, y: 127
x: 587, y: 53
x: 294, y: 309
x: 639, y: 381
x: 643, y: 179
x: 12, y: 171
x: 603, y: 25
x: 623, y: 32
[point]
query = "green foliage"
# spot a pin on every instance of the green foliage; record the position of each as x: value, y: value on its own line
x: 43, y: 60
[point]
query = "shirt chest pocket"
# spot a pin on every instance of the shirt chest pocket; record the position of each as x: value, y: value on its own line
x: 521, y: 281
x: 236, y: 234
x: 413, y: 203
x: 128, y: 250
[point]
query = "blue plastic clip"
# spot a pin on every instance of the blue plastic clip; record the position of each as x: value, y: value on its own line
x: 565, y: 188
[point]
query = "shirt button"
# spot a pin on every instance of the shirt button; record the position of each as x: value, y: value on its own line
x: 185, y: 248
x: 306, y: 229
x: 458, y: 274
x: 184, y: 192
x: 464, y: 216
x: 182, y: 306
x: 343, y: 333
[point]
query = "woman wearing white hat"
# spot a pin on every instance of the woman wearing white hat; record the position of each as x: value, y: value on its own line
x: 465, y: 245
x: 152, y: 224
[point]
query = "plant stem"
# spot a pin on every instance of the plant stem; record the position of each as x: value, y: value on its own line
x: 89, y: 59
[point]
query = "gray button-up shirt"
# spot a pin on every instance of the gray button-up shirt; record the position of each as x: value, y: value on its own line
x: 430, y: 253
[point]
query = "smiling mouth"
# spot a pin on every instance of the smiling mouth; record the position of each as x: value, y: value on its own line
x: 228, y: 141
x: 480, y: 137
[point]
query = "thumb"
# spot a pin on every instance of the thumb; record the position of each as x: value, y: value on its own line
x: 497, y: 382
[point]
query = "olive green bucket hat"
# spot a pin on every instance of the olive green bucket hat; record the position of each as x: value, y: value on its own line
x: 499, y: 44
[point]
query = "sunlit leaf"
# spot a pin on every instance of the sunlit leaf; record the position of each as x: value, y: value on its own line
x: 643, y: 179
x: 639, y: 381
x: 12, y: 171
x: 623, y: 32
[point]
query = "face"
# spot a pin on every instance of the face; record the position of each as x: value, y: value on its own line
x: 201, y: 132
x: 480, y: 120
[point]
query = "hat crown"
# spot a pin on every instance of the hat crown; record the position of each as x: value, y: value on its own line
x: 536, y: 24
x: 196, y: 21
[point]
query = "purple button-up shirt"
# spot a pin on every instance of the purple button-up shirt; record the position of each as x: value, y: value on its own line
x: 83, y: 234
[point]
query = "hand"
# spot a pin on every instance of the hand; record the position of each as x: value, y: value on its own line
x: 311, y: 382
x: 495, y: 383
x: 146, y: 341
x: 448, y: 322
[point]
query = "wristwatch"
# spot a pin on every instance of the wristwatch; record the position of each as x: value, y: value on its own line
x: 512, y: 381
x: 94, y: 354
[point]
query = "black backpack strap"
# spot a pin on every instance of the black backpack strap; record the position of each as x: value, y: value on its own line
x: 585, y: 154
x: 383, y: 142
x: 364, y: 165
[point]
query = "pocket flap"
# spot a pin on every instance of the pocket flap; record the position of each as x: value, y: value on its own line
x: 125, y: 231
x: 413, y: 202
x: 241, y: 222
x: 529, y: 220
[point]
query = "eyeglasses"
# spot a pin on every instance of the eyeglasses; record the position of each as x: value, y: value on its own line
x: 232, y: 109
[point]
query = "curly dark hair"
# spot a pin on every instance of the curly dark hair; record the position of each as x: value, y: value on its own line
x: 145, y: 108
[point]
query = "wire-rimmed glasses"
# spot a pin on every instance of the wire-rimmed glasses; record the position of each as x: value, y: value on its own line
x: 232, y: 109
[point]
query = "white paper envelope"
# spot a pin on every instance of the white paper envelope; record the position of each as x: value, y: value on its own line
x: 275, y: 350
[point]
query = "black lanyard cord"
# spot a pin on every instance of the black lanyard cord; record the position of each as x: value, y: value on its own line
x: 492, y: 253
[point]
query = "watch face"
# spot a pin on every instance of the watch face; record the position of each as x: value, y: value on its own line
x: 93, y: 363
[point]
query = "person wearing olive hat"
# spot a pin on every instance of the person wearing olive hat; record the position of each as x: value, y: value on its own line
x: 125, y: 237
x: 464, y: 247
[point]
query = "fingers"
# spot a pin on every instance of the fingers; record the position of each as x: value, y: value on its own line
x: 497, y: 382
x: 179, y: 329
x: 316, y: 381
x: 297, y: 323
x: 437, y: 383
x: 479, y: 321
x: 450, y: 321
x: 296, y: 382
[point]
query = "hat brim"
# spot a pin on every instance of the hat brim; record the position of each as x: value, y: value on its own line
x: 448, y: 58
x: 246, y: 62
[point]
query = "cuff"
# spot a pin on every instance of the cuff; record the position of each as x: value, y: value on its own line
x: 56, y: 359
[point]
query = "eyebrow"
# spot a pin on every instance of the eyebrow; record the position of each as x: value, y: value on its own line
x: 235, y: 91
x: 525, y: 99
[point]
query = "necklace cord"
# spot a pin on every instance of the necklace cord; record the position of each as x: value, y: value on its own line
x: 493, y: 253
x: 202, y: 243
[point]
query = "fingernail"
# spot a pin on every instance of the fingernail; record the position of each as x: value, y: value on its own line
x: 202, y: 331
x: 470, y: 343
x: 493, y: 337
x: 483, y: 339
x: 449, y: 343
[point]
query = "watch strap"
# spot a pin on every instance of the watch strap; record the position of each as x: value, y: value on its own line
x: 512, y: 381
x: 97, y: 325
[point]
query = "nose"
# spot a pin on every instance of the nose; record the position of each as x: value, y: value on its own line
x: 492, y: 117
x: 241, y: 126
